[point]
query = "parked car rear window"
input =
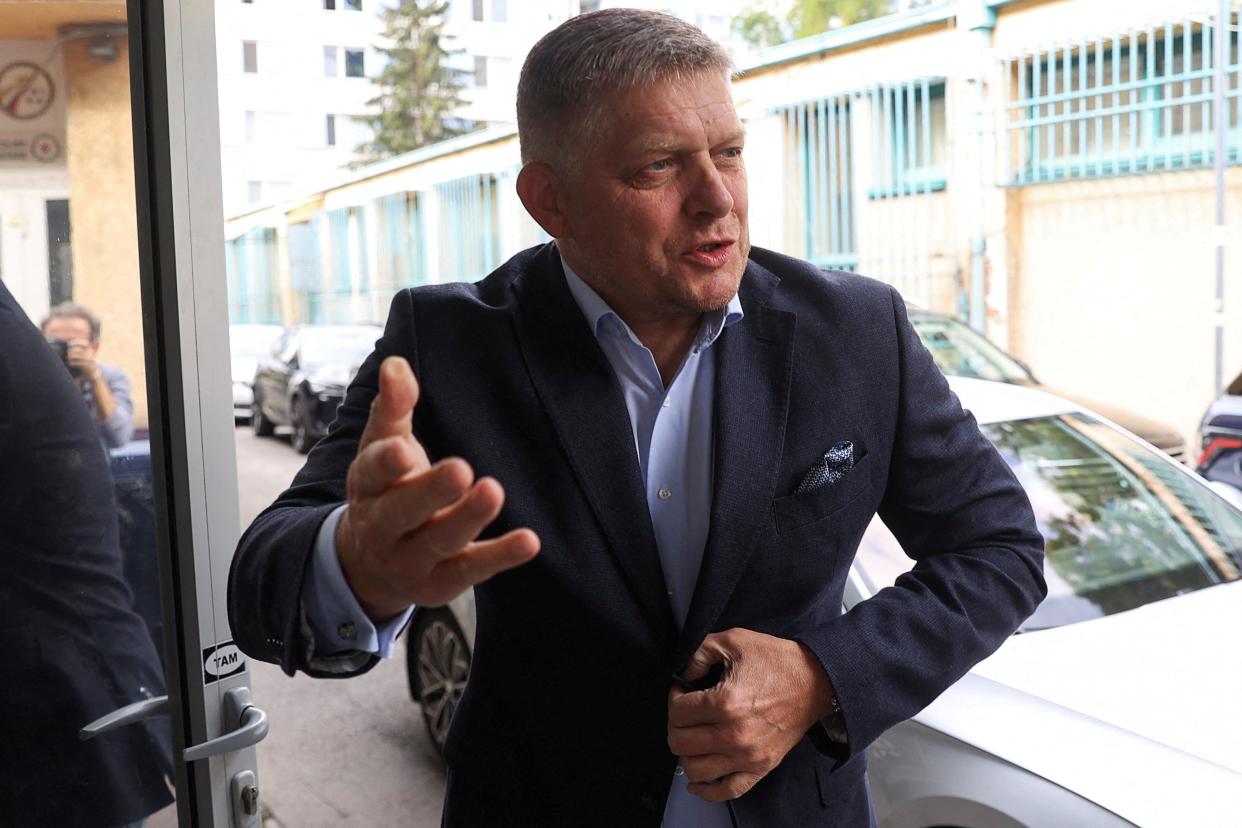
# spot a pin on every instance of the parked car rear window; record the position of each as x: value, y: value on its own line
x: 961, y: 352
x: 1122, y: 525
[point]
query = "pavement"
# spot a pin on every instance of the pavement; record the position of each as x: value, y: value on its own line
x: 341, y: 752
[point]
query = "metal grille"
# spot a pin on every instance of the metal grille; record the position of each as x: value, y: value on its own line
x: 1135, y: 102
x: 860, y: 168
x: 819, y: 157
x: 250, y: 267
x: 469, y: 230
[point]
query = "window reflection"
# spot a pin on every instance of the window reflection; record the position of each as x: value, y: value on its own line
x: 1122, y: 525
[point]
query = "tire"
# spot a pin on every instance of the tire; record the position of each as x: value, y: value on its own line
x: 437, y: 667
x: 301, y: 440
x: 263, y: 427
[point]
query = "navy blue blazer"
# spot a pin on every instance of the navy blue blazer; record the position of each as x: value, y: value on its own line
x: 564, y: 717
x: 74, y: 647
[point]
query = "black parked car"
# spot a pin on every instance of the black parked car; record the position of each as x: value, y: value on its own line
x: 303, y: 380
x: 960, y: 351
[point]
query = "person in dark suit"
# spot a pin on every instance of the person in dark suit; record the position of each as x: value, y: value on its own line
x: 74, y: 649
x: 652, y: 450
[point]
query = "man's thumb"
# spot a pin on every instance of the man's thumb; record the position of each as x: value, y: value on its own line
x: 393, y: 406
x: 710, y: 653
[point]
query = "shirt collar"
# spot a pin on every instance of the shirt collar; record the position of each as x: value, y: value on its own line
x: 600, y: 316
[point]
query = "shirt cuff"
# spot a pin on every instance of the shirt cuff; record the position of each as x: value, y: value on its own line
x: 337, y: 621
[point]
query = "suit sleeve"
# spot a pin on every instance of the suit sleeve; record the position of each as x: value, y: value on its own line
x: 960, y: 513
x: 265, y: 601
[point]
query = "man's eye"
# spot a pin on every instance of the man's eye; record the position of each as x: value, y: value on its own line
x: 659, y: 166
x: 732, y: 152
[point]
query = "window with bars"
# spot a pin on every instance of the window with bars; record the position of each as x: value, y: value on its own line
x: 250, y: 269
x: 819, y: 158
x: 1132, y: 103
x: 469, y: 228
x: 402, y: 248
x: 908, y: 128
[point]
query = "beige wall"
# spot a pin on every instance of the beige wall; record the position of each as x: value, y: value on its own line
x: 102, y: 208
x: 1115, y: 290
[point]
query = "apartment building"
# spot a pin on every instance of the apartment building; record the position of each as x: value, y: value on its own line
x: 292, y: 73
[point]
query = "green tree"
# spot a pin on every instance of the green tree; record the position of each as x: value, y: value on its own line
x: 810, y: 17
x: 418, y: 93
x: 760, y: 26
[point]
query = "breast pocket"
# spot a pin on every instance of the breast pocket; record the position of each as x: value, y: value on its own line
x: 796, y: 510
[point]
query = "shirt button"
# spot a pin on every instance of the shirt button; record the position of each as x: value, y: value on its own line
x: 347, y: 631
x: 664, y: 493
x: 667, y: 402
x: 679, y: 771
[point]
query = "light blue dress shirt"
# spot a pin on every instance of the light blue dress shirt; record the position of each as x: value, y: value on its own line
x: 673, y: 439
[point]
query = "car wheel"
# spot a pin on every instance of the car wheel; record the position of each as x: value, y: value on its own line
x: 263, y: 427
x: 302, y: 440
x: 437, y: 665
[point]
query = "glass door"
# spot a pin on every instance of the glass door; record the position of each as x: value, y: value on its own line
x: 124, y: 701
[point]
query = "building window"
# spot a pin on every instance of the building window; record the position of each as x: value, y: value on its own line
x: 251, y: 127
x: 330, y: 137
x: 1132, y: 103
x: 254, y: 191
x: 480, y: 71
x: 500, y: 11
x: 476, y: 12
x: 819, y: 155
x: 250, y: 56
x: 588, y: 6
x: 908, y: 132
x: 469, y: 227
x: 329, y: 62
x: 353, y: 5
x: 354, y: 63
x: 329, y: 5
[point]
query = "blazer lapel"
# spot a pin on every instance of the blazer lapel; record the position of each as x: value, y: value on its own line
x: 581, y: 395
x: 753, y: 374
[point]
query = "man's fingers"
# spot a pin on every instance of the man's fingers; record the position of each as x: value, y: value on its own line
x: 382, y: 463
x: 393, y: 407
x: 483, y: 559
x: 713, y: 650
x: 703, y: 740
x: 696, y: 708
x: 730, y: 787
x: 412, y: 500
x: 448, y: 532
x: 710, y: 768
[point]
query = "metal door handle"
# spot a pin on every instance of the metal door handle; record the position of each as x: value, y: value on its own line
x: 130, y: 713
x: 250, y: 727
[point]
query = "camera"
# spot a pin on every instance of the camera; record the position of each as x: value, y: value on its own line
x: 61, y: 347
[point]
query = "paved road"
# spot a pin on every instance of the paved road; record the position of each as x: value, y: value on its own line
x: 340, y: 753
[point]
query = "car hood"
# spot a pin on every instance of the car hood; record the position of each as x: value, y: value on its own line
x: 1135, y: 711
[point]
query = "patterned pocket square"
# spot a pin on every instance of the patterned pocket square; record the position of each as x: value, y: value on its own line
x: 830, y: 468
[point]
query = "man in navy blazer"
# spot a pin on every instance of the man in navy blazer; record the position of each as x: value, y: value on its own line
x: 652, y: 450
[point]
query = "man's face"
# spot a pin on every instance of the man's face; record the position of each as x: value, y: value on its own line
x: 71, y: 329
x: 657, y: 213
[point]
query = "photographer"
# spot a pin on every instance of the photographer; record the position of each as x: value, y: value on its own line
x: 73, y: 332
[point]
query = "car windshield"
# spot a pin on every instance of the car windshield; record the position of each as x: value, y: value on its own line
x: 1122, y: 525
x: 961, y: 352
x: 336, y: 346
x: 252, y: 340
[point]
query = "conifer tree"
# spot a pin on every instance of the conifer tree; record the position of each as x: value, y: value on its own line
x: 418, y: 93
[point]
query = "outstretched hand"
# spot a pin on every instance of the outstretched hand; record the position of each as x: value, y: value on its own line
x: 408, y: 535
x: 733, y: 734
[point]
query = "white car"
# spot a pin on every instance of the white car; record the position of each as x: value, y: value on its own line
x: 247, y: 343
x: 1115, y: 704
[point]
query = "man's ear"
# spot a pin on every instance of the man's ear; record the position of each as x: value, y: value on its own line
x: 539, y: 187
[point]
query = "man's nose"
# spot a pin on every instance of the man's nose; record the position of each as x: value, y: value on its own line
x: 709, y: 194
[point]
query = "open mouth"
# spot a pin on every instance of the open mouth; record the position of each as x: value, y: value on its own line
x: 708, y: 248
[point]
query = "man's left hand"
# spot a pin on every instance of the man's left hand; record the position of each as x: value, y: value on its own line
x: 733, y: 734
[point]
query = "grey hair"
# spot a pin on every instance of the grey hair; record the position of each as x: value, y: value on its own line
x: 573, y: 68
x: 68, y: 310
